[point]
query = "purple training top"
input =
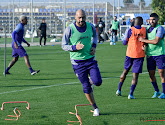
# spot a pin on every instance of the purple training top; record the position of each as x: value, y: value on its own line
x: 18, y: 33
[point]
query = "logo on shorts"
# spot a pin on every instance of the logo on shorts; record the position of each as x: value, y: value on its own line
x: 76, y: 74
x: 163, y: 65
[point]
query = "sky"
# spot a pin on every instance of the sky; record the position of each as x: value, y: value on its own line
x: 5, y: 2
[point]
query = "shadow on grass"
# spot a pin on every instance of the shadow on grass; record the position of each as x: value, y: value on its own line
x: 112, y: 72
x: 129, y: 113
x: 114, y: 77
x: 136, y: 98
x: 105, y: 123
x: 110, y: 77
x: 44, y: 116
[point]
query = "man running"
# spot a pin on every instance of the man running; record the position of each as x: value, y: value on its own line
x: 77, y: 40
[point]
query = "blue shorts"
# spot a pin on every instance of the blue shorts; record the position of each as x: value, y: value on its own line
x: 153, y: 61
x: 85, y: 68
x: 18, y: 52
x: 135, y: 63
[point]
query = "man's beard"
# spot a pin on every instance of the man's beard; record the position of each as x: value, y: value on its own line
x: 81, y: 23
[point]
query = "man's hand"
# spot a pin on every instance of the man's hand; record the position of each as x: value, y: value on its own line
x: 143, y: 47
x: 79, y: 46
x: 141, y: 39
x: 28, y: 44
x: 110, y: 32
x: 16, y: 45
x: 93, y: 50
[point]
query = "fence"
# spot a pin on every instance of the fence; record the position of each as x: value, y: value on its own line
x: 61, y: 12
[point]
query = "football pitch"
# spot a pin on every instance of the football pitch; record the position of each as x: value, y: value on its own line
x: 55, y: 91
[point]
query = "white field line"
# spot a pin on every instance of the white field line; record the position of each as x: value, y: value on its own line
x: 71, y: 83
x: 38, y: 87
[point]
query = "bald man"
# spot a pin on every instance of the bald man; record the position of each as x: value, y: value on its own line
x: 18, y: 49
x: 77, y: 40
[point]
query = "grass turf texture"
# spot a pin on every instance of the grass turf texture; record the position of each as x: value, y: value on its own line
x: 35, y: 40
x: 51, y: 99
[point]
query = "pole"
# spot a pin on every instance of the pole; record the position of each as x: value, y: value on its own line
x: 119, y: 16
x: 140, y: 6
x: 50, y: 20
x: 32, y: 21
x: 13, y: 14
x: 5, y: 54
x: 113, y: 8
x: 93, y: 11
x: 9, y: 18
x: 106, y: 14
x: 64, y: 15
x: 118, y: 8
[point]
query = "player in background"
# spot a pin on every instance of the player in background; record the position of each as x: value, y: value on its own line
x: 100, y: 26
x: 18, y: 49
x: 42, y: 29
x: 77, y: 40
x: 115, y: 25
x: 134, y: 56
x: 155, y: 53
x: 132, y: 23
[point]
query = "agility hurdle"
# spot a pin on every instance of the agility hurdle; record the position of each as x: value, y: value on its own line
x: 16, y: 102
x: 77, y: 115
x: 16, y: 115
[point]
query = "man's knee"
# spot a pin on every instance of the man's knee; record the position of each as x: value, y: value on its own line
x: 87, y: 90
x: 123, y: 75
x: 162, y: 73
x: 97, y: 82
x: 15, y: 59
x: 26, y: 56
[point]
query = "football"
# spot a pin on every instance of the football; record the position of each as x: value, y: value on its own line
x: 111, y: 43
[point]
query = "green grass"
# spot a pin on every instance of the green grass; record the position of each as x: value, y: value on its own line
x: 9, y: 40
x: 51, y: 99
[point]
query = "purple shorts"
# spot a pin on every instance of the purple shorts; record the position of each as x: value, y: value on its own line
x: 18, y: 52
x: 85, y: 68
x: 135, y: 63
x: 153, y: 61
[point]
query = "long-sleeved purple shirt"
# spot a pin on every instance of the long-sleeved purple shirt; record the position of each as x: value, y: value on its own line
x: 17, y: 34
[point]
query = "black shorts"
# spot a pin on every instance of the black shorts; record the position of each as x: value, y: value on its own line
x: 114, y: 31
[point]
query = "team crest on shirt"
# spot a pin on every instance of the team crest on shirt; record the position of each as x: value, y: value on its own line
x: 138, y: 35
x: 84, y: 37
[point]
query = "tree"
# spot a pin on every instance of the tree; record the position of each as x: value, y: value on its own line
x: 158, y: 7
